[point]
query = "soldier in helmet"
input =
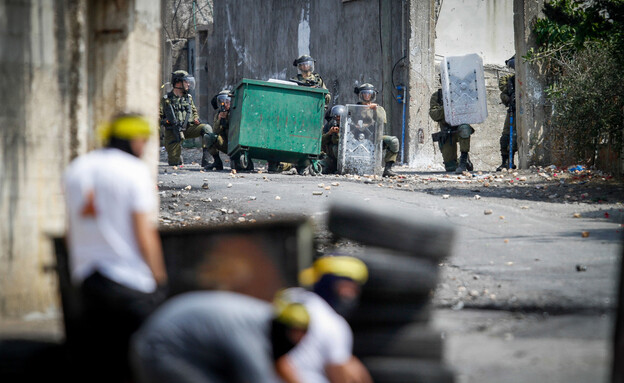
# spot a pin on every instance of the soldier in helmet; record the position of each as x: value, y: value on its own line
x: 307, y: 76
x: 506, y: 84
x: 220, y: 127
x: 449, y: 136
x: 367, y: 95
x: 330, y: 138
x: 178, y: 115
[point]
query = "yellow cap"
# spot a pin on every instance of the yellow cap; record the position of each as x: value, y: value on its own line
x: 341, y: 266
x: 292, y: 314
x: 126, y: 127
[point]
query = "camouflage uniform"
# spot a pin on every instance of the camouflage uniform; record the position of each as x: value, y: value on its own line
x: 506, y: 86
x: 448, y: 143
x: 183, y: 111
x: 329, y: 145
x: 313, y: 81
x: 220, y: 129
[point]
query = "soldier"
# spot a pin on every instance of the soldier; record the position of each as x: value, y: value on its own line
x: 329, y: 141
x: 307, y: 76
x: 448, y: 137
x: 367, y: 95
x: 179, y: 117
x: 506, y: 84
x: 220, y: 128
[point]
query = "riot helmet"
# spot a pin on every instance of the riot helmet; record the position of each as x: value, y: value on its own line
x: 511, y: 62
x: 304, y: 64
x: 366, y: 93
x: 338, y: 111
x: 181, y: 76
x: 224, y: 98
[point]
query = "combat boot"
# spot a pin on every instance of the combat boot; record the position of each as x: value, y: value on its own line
x: 450, y: 166
x: 205, y: 155
x: 217, y: 164
x: 505, y: 164
x: 469, y: 165
x: 463, y: 163
x: 388, y: 170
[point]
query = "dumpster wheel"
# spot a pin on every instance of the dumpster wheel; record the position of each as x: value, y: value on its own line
x: 316, y: 168
x: 245, y: 162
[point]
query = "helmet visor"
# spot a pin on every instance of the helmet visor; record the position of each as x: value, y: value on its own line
x: 190, y: 80
x: 306, y: 66
x: 367, y: 95
x: 223, y: 101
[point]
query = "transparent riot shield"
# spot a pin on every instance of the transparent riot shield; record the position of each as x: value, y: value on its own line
x: 359, y: 147
x: 463, y: 89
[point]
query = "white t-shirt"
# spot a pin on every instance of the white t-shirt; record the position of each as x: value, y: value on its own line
x: 329, y: 339
x: 103, y: 239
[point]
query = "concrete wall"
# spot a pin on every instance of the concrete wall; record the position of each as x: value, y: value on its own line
x: 484, y: 27
x: 532, y: 107
x: 68, y: 65
x: 353, y: 42
x: 420, y: 153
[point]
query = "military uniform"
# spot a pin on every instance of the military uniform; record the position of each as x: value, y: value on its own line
x: 450, y: 135
x: 506, y: 86
x: 329, y: 146
x: 313, y: 81
x: 181, y: 109
x: 220, y: 129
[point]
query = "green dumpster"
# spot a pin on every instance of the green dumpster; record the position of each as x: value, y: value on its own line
x: 275, y: 121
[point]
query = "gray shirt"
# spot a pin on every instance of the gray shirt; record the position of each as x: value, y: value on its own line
x: 206, y: 336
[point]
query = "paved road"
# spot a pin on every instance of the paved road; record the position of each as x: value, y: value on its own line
x: 524, y: 295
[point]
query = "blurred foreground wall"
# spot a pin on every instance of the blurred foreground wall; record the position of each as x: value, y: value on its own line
x: 65, y: 66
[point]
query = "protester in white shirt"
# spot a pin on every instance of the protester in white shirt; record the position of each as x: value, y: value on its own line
x: 115, y: 251
x: 325, y: 353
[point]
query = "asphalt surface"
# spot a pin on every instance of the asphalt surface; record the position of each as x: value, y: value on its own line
x: 528, y: 292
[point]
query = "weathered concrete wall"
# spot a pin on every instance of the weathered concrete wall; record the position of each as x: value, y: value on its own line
x: 484, y: 27
x: 35, y: 148
x: 532, y: 108
x: 420, y: 151
x: 70, y: 65
x: 351, y: 42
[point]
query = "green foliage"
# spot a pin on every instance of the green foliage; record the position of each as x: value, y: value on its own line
x: 581, y: 47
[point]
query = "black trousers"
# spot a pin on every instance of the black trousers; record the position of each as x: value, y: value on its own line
x: 112, y: 313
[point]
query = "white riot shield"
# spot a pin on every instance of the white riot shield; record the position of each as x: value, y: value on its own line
x: 359, y: 147
x: 463, y: 89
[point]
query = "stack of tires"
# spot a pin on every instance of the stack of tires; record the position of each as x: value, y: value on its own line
x: 392, y: 333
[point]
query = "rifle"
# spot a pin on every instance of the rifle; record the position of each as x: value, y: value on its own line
x: 443, y: 134
x: 309, y: 83
x: 172, y: 123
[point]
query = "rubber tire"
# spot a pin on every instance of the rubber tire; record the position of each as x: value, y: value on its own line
x: 387, y: 227
x: 410, y: 341
x: 373, y: 314
x: 394, y: 277
x: 403, y: 370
